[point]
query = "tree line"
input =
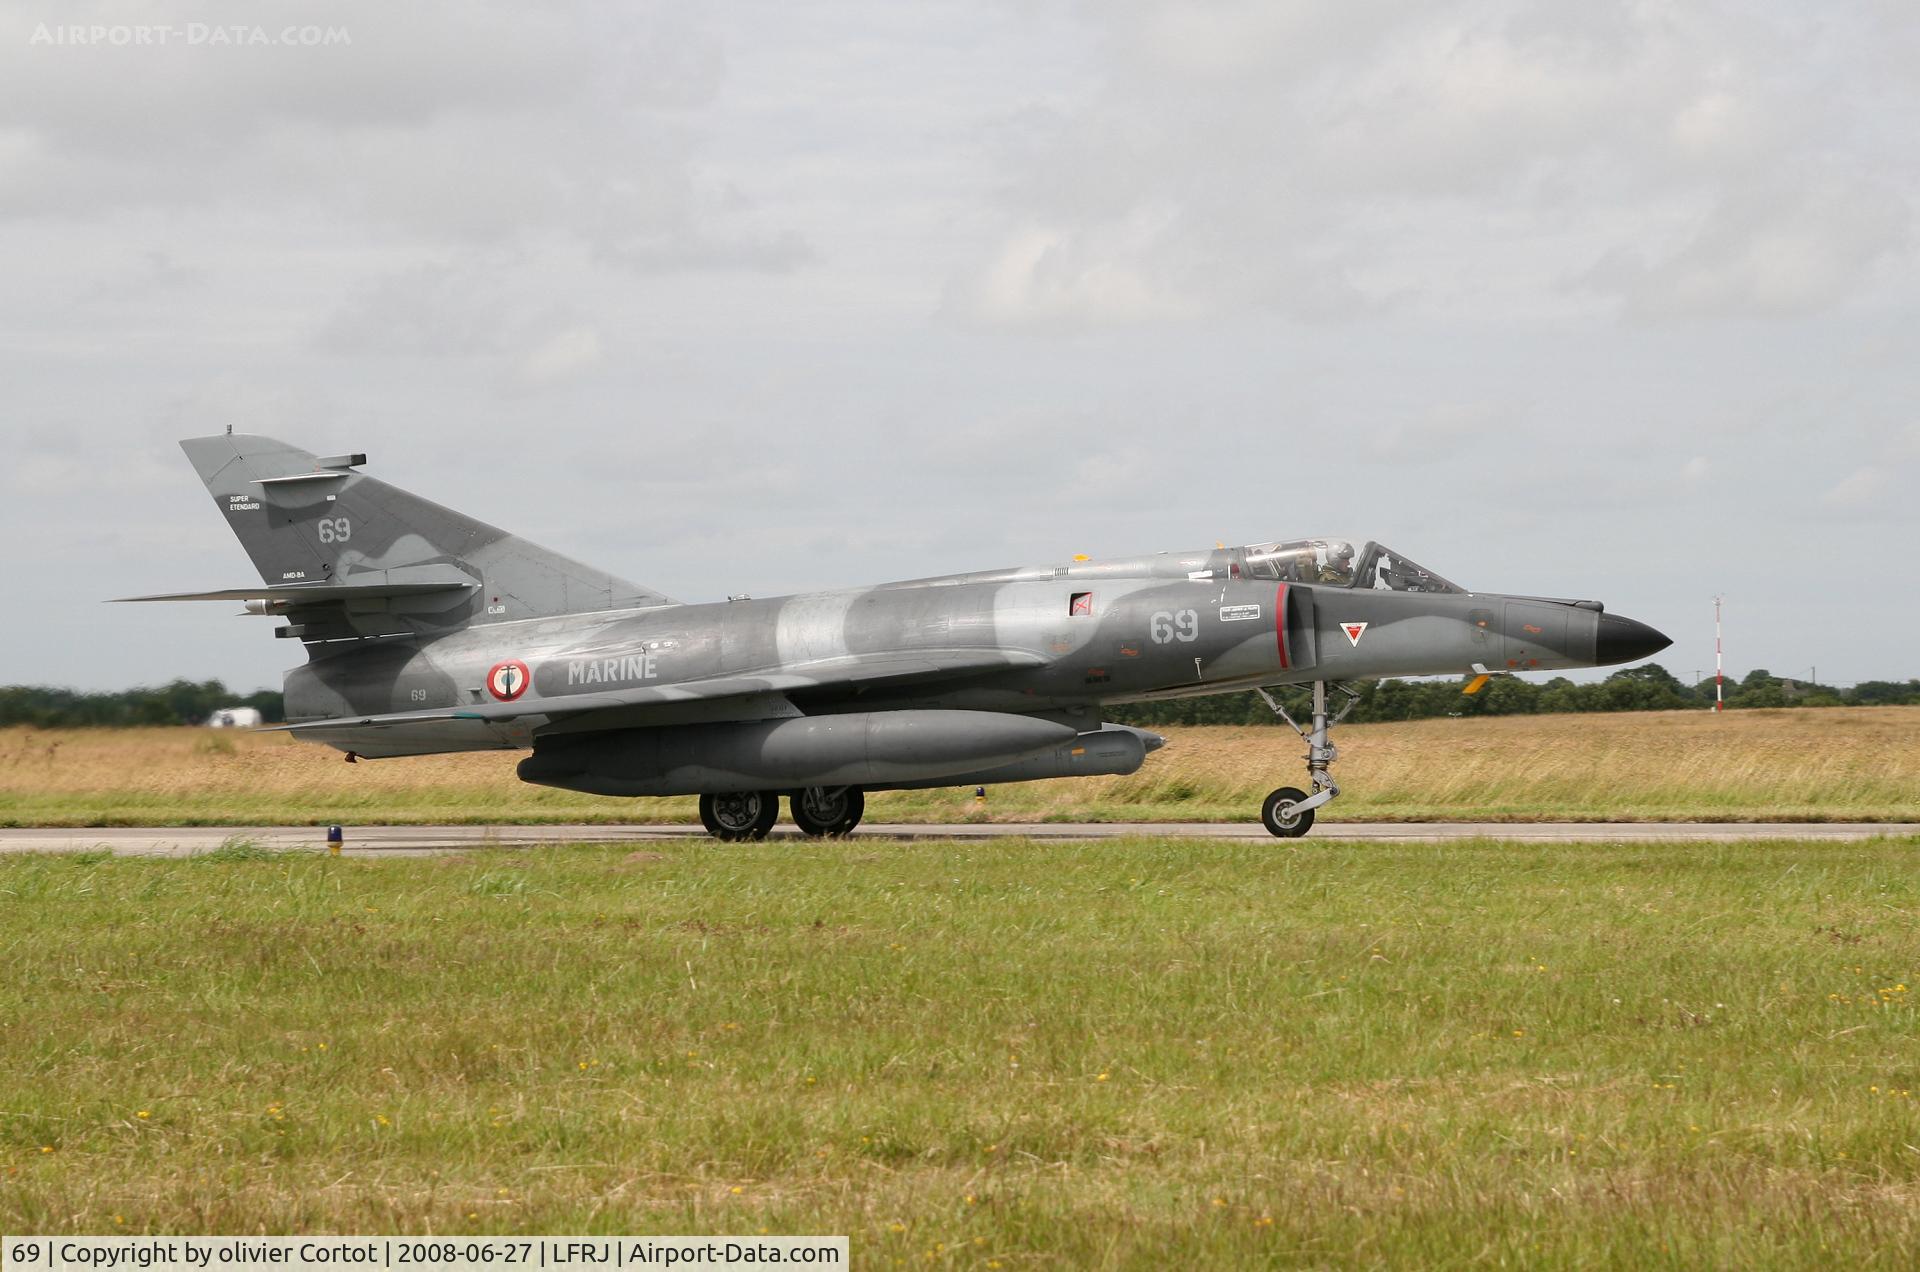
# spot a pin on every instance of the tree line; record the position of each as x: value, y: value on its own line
x: 1648, y: 688
x: 178, y: 702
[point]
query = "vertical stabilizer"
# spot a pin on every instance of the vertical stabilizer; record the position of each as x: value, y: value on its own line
x: 308, y: 520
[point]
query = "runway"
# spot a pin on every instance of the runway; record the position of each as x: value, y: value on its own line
x: 164, y: 841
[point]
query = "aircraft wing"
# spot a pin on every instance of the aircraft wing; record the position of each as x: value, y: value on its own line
x: 631, y: 705
x: 417, y: 580
x: 309, y: 595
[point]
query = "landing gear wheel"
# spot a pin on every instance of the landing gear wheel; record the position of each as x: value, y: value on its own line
x: 828, y: 810
x: 1282, y: 814
x: 1279, y: 817
x: 738, y: 815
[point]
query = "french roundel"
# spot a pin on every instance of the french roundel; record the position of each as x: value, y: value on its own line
x: 508, y: 680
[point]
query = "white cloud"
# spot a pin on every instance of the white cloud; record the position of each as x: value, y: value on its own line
x: 562, y: 356
x: 1047, y: 275
x: 449, y: 124
x: 1776, y: 248
x: 1882, y: 488
x: 1861, y: 488
x: 434, y: 310
x: 1296, y: 158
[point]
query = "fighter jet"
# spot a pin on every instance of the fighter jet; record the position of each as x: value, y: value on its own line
x: 427, y: 631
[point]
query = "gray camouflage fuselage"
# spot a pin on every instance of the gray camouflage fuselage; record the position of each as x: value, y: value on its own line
x: 1146, y: 637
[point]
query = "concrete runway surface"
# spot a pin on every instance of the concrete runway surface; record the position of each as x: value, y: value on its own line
x: 161, y: 841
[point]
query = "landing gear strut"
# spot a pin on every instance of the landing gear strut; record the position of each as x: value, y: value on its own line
x: 738, y: 815
x: 828, y: 810
x: 1288, y: 812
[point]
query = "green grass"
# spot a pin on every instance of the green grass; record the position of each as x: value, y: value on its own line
x: 1006, y: 1053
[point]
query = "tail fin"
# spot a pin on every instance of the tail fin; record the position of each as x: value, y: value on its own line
x: 312, y: 521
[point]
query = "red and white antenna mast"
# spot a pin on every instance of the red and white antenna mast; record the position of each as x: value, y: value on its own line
x: 1719, y: 663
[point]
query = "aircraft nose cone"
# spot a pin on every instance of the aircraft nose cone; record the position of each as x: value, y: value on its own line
x: 1152, y: 741
x: 1621, y: 640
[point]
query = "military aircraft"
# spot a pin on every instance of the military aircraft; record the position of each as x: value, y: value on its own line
x: 427, y: 631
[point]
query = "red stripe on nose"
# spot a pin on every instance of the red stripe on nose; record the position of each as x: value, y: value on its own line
x: 1280, y: 624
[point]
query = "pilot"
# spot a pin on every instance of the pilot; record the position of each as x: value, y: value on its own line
x: 1339, y: 564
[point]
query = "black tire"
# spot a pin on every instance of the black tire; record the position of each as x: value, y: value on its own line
x: 738, y: 815
x: 828, y: 810
x: 1279, y: 819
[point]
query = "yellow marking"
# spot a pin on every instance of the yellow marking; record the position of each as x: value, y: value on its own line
x: 1079, y: 750
x: 1476, y: 684
x: 1081, y: 556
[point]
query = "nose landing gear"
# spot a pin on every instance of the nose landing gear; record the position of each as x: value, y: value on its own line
x: 1288, y: 811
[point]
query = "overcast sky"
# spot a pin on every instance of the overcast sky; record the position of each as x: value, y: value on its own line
x: 1597, y: 300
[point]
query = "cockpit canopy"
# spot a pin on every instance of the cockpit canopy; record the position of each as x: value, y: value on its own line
x: 1333, y: 563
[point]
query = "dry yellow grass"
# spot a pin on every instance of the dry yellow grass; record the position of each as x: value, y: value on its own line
x: 1813, y: 765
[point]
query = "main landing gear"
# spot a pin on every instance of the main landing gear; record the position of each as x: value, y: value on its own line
x: 736, y: 815
x: 817, y: 811
x: 827, y: 810
x: 1288, y: 812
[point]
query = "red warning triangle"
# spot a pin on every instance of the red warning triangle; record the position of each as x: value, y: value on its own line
x: 1354, y: 631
